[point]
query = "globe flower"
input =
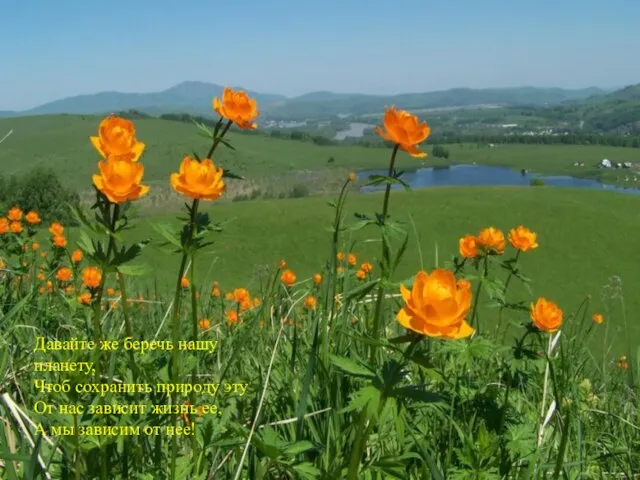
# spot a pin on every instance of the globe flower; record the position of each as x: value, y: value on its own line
x: 402, y: 128
x: 15, y: 227
x: 56, y: 229
x: 184, y: 282
x: 317, y: 279
x: 215, y: 292
x: 84, y: 298
x: 598, y: 318
x: 15, y: 214
x: 232, y: 317
x: 310, y: 302
x: 546, y: 315
x: 33, y: 218
x: 204, y: 324
x: 522, y: 238
x: 119, y: 180
x: 352, y: 176
x: 491, y: 239
x: 288, y: 278
x: 366, y: 267
x: 91, y: 276
x: 198, y: 180
x: 117, y: 139
x: 76, y: 256
x: 437, y: 305
x: 59, y: 241
x: 237, y: 107
x: 4, y: 225
x: 240, y: 295
x: 468, y: 247
x: 64, y: 274
x: 35, y: 246
x: 351, y: 259
x: 340, y: 256
x: 361, y: 274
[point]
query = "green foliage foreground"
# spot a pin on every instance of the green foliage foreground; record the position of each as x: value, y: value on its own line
x: 315, y: 380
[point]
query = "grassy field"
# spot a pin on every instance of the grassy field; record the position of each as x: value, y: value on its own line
x: 268, y: 164
x: 588, y: 236
x: 327, y: 379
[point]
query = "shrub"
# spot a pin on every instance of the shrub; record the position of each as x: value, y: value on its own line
x: 39, y: 190
x: 536, y: 182
x: 299, y: 191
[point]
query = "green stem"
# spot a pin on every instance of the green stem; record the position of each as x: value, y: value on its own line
x: 361, y: 438
x: 176, y: 303
x: 506, y: 286
x: 477, y: 295
x: 384, y: 268
x: 194, y: 317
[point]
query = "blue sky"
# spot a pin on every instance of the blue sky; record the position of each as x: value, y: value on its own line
x: 54, y: 49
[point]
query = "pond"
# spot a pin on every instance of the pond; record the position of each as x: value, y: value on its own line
x: 492, y: 176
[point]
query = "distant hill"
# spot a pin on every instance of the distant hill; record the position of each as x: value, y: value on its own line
x: 327, y: 103
x: 195, y: 98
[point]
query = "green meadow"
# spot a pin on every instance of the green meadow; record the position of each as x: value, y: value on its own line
x: 337, y: 378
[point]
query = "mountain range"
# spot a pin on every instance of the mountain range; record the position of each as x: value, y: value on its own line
x: 195, y: 98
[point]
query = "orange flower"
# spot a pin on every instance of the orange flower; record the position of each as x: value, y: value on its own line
x: 282, y: 264
x: 229, y: 296
x: 215, y: 292
x: 317, y: 279
x: 491, y: 239
x: 111, y: 292
x: 546, y: 315
x: 598, y: 318
x: 288, y: 278
x: 232, y: 317
x: 402, y: 128
x: 352, y: 176
x: 240, y: 295
x: 437, y: 305
x: 256, y: 302
x: 56, y: 229
x: 15, y: 214
x: 4, y: 225
x: 91, y: 277
x: 35, y: 246
x: 40, y: 276
x: 49, y: 285
x: 366, y: 267
x: 237, y: 107
x: 522, y: 238
x: 204, y: 324
x: 215, y: 284
x: 84, y: 298
x: 117, y: 138
x: 340, y: 256
x: 351, y: 259
x: 64, y: 274
x: 468, y: 247
x: 340, y: 269
x: 184, y: 282
x: 361, y: 275
x: 76, y: 256
x: 246, y: 304
x: 15, y: 227
x: 59, y: 241
x: 119, y: 180
x: 310, y: 303
x: 43, y: 254
x: 198, y: 179
x: 622, y: 363
x: 33, y: 218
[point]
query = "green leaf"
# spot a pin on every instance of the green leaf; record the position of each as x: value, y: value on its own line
x: 85, y: 243
x: 230, y: 174
x: 126, y: 255
x: 133, y: 270
x: 165, y: 231
x: 368, y: 396
x: 351, y: 367
x: 297, y: 448
x: 416, y: 392
x: 307, y: 471
x: 360, y: 292
x: 83, y: 220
